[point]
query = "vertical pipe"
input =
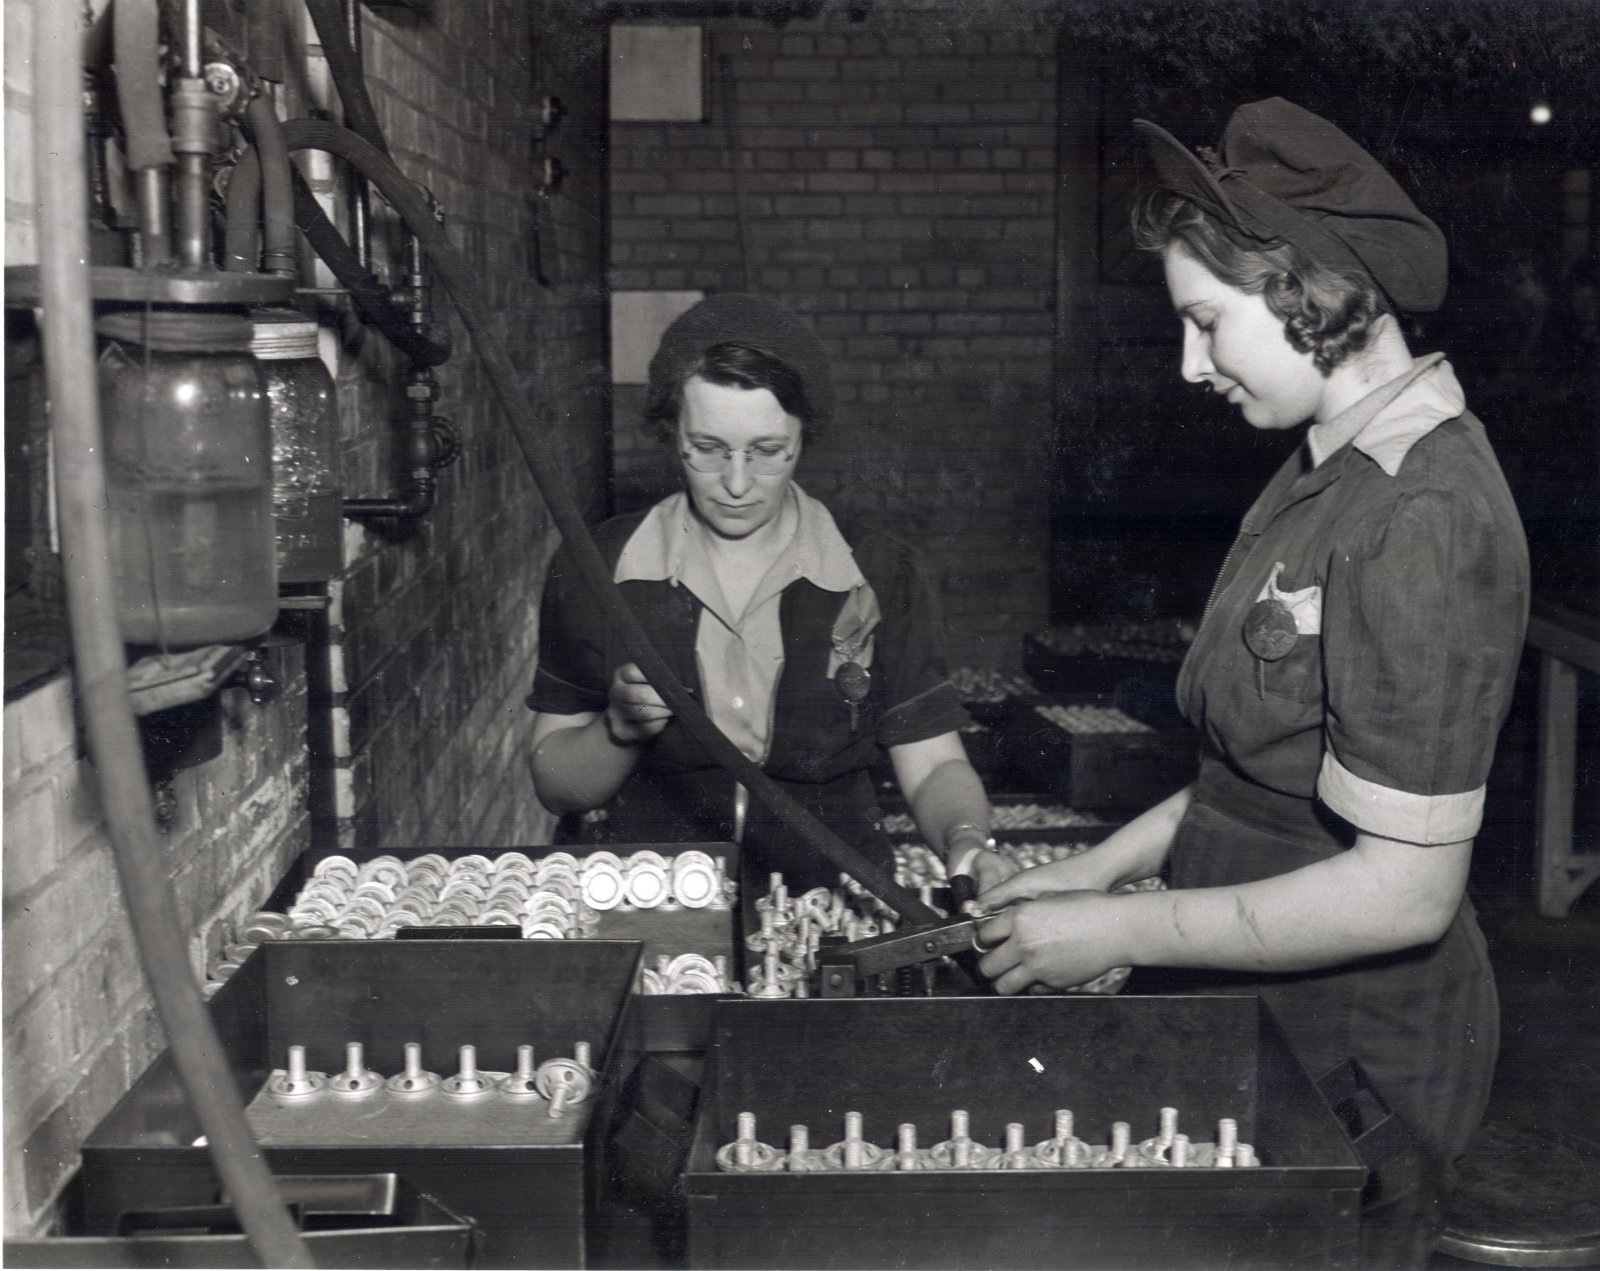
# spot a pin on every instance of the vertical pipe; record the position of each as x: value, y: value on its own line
x: 360, y: 208
x: 99, y: 666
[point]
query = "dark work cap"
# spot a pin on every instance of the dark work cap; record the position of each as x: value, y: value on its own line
x: 735, y: 318
x: 1282, y: 173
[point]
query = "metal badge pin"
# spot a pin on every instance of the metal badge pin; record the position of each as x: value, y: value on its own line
x: 1269, y: 629
x: 854, y: 683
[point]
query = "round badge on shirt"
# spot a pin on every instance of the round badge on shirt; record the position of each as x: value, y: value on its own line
x: 1269, y: 630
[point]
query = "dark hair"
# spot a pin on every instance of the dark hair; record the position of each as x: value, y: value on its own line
x: 740, y: 366
x: 1328, y: 313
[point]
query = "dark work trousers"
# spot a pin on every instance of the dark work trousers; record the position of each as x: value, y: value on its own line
x: 1423, y: 1023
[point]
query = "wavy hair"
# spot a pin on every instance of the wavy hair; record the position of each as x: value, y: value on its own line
x: 736, y: 365
x: 1328, y: 313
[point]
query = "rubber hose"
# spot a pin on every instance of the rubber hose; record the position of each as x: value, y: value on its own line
x: 138, y: 66
x: 99, y: 658
x: 344, y: 63
x: 240, y: 251
x: 277, y: 201
x: 553, y: 481
x: 370, y: 297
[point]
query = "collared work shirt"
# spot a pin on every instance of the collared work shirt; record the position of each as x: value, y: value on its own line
x: 1392, y: 538
x: 739, y: 656
x: 810, y: 733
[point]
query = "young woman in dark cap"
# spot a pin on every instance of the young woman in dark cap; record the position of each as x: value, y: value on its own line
x: 1353, y: 668
x: 811, y: 644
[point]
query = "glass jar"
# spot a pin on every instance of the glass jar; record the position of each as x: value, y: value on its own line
x: 189, y: 475
x: 303, y: 410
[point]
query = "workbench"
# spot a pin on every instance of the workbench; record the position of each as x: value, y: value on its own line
x: 1569, y: 644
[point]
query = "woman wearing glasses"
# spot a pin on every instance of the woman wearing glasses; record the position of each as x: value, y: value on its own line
x: 810, y: 643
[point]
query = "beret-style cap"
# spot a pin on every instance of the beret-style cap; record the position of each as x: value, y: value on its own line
x: 736, y: 318
x: 1282, y: 173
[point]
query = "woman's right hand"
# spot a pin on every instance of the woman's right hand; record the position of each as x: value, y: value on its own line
x: 635, y: 712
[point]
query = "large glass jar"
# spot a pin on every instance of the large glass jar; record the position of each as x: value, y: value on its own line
x: 189, y: 471
x: 303, y: 411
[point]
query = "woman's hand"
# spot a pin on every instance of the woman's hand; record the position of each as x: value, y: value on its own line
x: 635, y: 712
x: 1058, y: 941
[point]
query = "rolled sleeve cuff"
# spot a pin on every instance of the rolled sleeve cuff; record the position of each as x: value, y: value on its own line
x: 554, y: 696
x: 1428, y: 819
x: 930, y: 714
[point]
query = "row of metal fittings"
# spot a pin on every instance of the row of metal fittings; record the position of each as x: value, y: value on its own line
x: 560, y: 1083
x: 1166, y: 1149
x: 687, y: 973
x: 1007, y: 816
x: 918, y: 865
x: 553, y: 897
x: 991, y: 685
x: 1085, y: 719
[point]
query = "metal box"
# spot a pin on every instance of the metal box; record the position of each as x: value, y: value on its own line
x: 1104, y: 772
x: 531, y: 1196
x: 347, y: 1220
x: 1004, y: 1060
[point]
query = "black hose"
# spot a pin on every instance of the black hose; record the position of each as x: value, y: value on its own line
x: 344, y: 63
x: 370, y: 297
x: 553, y: 481
x: 277, y: 194
x: 99, y: 658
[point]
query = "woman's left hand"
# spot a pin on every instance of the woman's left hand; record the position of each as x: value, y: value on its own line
x: 1057, y: 941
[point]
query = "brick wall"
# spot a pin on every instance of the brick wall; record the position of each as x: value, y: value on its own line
x: 894, y: 179
x: 433, y: 626
x: 79, y: 1025
x: 409, y: 683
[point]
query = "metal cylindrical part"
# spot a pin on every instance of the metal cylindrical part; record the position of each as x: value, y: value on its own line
x: 852, y: 1127
x: 297, y: 1064
x: 469, y: 1063
x: 1063, y: 1123
x: 1180, y: 1150
x: 906, y: 1137
x: 1169, y: 1125
x: 799, y: 1139
x: 155, y: 225
x: 193, y: 137
x: 525, y: 1065
x: 413, y: 1051
x: 960, y: 1125
x: 582, y: 1054
x: 1121, y: 1136
x: 1014, y: 1137
x: 747, y: 1127
x: 1227, y: 1138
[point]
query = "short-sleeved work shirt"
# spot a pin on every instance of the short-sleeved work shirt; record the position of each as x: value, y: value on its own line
x: 1391, y: 537
x: 839, y: 594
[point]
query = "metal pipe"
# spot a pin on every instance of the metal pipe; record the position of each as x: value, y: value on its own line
x: 155, y: 229
x: 192, y: 67
x: 99, y: 660
x: 360, y: 198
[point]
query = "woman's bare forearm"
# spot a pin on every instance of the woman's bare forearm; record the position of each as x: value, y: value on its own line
x: 576, y: 763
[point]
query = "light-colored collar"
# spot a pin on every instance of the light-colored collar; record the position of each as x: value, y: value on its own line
x: 669, y: 537
x: 1388, y: 421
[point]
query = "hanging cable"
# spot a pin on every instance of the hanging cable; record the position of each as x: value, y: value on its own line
x: 100, y: 669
